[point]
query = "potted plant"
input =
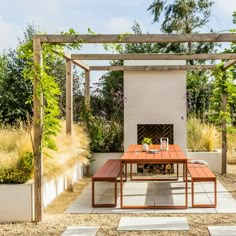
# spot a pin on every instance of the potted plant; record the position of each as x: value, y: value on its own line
x: 145, y: 142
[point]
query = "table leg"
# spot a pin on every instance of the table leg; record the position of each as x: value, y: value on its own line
x: 121, y: 184
x: 186, y: 183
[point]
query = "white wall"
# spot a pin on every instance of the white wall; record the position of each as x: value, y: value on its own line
x: 55, y: 186
x: 155, y: 97
x: 16, y: 202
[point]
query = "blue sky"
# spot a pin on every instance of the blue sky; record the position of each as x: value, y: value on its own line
x: 102, y: 16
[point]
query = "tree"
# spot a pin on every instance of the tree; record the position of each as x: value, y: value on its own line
x: 224, y: 92
x: 199, y: 92
x: 15, y: 91
x: 182, y: 16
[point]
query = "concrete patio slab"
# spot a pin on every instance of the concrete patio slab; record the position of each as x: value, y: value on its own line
x: 222, y: 230
x: 80, y: 230
x: 152, y: 223
x: 154, y: 193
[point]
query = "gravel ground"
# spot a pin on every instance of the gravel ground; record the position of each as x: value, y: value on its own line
x: 55, y: 221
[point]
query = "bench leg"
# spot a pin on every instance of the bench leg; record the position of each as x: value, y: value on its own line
x: 104, y: 204
x: 192, y: 182
x: 93, y: 193
x: 115, y: 192
x: 215, y: 189
x: 204, y: 205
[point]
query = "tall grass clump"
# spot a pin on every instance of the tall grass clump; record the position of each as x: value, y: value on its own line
x: 16, y: 157
x: 201, y: 136
x: 70, y: 150
x: 16, y: 153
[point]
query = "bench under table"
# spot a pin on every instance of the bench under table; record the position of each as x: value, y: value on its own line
x: 201, y: 173
x: 109, y: 172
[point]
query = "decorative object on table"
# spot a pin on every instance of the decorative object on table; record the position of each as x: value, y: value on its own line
x: 145, y: 142
x: 153, y: 151
x: 137, y: 150
x: 164, y: 141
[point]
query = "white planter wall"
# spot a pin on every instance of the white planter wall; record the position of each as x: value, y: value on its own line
x: 155, y: 97
x: 55, y: 186
x: 214, y: 159
x: 16, y: 200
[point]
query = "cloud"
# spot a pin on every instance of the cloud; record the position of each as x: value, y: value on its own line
x: 225, y: 8
x: 9, y: 34
x: 222, y: 11
x: 118, y: 25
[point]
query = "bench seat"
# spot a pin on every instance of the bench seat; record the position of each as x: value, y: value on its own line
x: 201, y: 173
x: 109, y: 172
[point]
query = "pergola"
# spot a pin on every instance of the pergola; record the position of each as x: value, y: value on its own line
x: 100, y: 39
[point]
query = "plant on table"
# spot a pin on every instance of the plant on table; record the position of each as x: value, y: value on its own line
x: 145, y: 142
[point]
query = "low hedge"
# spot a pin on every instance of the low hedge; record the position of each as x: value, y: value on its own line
x: 20, y: 173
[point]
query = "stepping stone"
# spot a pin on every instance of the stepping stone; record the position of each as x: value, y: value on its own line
x: 222, y: 230
x: 80, y: 230
x: 152, y: 223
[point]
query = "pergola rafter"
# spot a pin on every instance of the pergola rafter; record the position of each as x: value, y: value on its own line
x: 117, y: 38
x: 229, y: 63
x: 155, y: 56
x: 138, y: 38
x: 153, y: 68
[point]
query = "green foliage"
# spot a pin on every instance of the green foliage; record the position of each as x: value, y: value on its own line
x: 20, y: 173
x: 47, y: 87
x: 199, y: 91
x: 223, y: 85
x: 110, y: 91
x: 15, y: 91
x: 147, y: 140
x: 105, y: 135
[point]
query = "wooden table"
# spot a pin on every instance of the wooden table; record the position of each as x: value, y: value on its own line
x: 173, y: 155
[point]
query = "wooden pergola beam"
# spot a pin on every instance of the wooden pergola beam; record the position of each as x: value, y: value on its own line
x: 137, y: 38
x: 74, y: 61
x: 81, y: 64
x: 152, y: 68
x: 229, y: 63
x: 154, y: 56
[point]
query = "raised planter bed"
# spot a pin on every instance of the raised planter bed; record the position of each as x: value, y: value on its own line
x: 214, y: 159
x: 16, y: 202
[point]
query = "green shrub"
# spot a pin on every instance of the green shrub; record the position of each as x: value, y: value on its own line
x: 105, y: 135
x: 16, y: 158
x: 19, y: 173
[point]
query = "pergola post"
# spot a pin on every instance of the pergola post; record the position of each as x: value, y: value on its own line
x: 87, y: 89
x: 224, y: 130
x: 69, y: 99
x: 38, y: 132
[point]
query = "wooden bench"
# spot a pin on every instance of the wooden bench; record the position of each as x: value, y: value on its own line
x: 201, y: 173
x: 109, y: 172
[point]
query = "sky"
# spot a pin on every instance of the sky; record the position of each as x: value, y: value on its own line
x: 101, y: 16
